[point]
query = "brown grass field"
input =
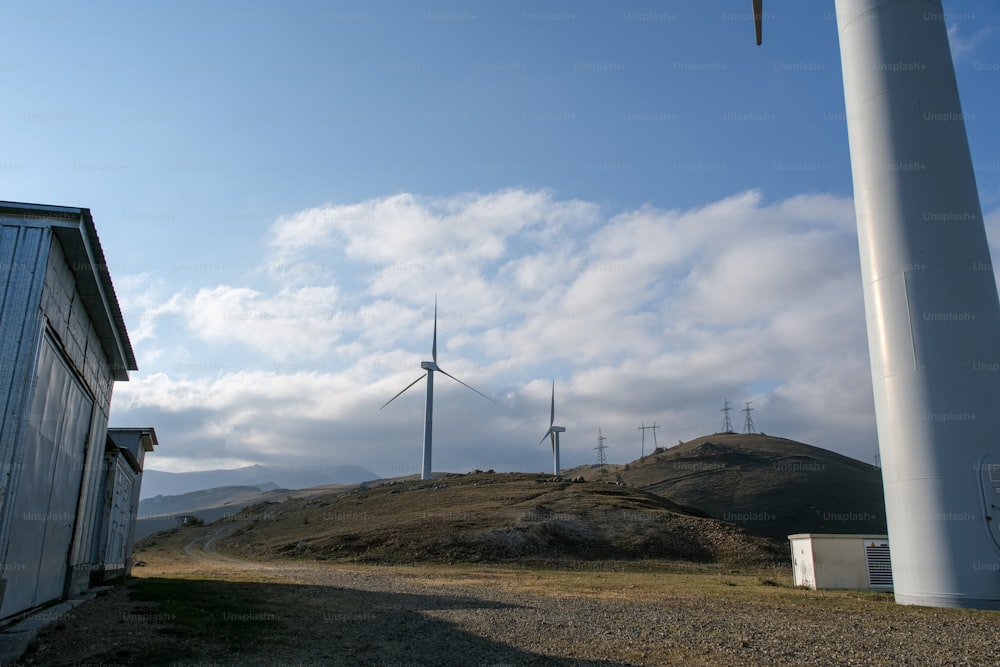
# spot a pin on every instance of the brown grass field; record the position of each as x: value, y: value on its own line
x: 490, y: 570
x: 192, y: 604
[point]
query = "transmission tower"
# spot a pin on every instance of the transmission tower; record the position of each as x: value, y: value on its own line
x: 602, y: 460
x: 727, y: 425
x: 748, y: 422
x: 645, y: 428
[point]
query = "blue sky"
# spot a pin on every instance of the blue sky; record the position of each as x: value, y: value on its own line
x: 628, y: 198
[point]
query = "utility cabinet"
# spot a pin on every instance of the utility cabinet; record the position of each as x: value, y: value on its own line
x: 829, y: 561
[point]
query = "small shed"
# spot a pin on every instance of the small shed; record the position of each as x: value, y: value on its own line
x: 63, y: 345
x: 124, y: 453
x: 829, y: 561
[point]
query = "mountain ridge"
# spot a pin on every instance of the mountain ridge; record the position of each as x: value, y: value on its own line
x: 162, y: 483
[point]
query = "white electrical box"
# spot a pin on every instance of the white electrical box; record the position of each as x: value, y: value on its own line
x: 824, y: 561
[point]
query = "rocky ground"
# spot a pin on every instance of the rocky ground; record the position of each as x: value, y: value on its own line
x: 602, y: 614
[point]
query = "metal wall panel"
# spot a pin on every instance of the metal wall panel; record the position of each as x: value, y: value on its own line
x: 48, y: 491
x: 106, y: 483
x: 69, y: 319
x: 23, y: 255
x: 96, y: 371
x: 90, y: 507
x: 59, y: 290
x: 79, y: 325
x: 120, y: 516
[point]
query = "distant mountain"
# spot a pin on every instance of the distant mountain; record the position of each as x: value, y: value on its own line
x: 166, y: 512
x: 771, y: 486
x: 265, y: 478
x: 195, y: 500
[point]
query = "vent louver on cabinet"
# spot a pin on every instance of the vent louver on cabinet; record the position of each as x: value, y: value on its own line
x: 879, y: 564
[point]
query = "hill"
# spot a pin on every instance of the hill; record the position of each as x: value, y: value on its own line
x: 771, y: 486
x: 489, y: 517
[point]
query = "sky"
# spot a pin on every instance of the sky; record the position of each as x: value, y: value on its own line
x: 629, y: 199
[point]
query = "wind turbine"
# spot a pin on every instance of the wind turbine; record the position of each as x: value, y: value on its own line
x: 933, y: 314
x: 553, y: 433
x: 431, y: 366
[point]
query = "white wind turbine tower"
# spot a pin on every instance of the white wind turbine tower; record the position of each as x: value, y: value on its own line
x: 930, y: 292
x: 430, y: 367
x: 554, y: 432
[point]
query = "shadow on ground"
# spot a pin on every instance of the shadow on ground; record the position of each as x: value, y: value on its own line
x: 208, y: 622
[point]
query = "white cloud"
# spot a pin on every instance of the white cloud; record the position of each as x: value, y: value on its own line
x: 639, y: 316
x: 145, y: 303
x: 961, y: 46
x: 291, y: 323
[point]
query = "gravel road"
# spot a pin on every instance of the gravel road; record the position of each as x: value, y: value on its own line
x: 397, y: 616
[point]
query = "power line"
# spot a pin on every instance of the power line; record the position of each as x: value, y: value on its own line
x: 727, y: 424
x: 602, y: 460
x: 645, y: 428
x: 748, y: 422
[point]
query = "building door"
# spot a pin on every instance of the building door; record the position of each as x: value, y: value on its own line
x: 119, y: 517
x: 54, y: 438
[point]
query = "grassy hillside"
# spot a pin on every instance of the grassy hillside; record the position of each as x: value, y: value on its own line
x: 487, y: 517
x: 771, y: 486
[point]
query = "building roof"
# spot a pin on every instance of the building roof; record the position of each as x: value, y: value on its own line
x: 74, y: 227
x: 133, y: 443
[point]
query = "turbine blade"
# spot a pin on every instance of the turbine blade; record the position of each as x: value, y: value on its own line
x: 404, y: 389
x: 758, y: 19
x: 547, y: 434
x: 434, y: 346
x: 553, y: 442
x: 552, y: 419
x: 465, y: 385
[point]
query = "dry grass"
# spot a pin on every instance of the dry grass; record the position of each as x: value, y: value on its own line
x: 651, y: 580
x: 220, y: 609
x: 490, y: 518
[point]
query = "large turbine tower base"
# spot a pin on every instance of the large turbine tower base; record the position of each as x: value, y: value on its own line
x: 556, y: 466
x: 425, y: 470
x: 555, y: 457
x: 931, y: 302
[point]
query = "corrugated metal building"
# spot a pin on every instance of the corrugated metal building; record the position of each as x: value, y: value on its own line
x: 124, y: 453
x: 63, y: 344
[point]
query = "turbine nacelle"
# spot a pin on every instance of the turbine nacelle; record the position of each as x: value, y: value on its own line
x: 552, y: 432
x: 429, y: 366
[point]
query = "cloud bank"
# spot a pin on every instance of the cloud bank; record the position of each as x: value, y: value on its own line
x: 640, y: 315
